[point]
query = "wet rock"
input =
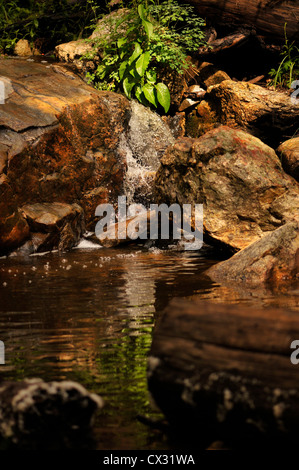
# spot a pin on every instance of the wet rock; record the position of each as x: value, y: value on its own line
x: 269, y: 115
x: 63, y: 141
x: 35, y: 410
x: 274, y: 259
x: 176, y: 124
x: 238, y: 179
x: 14, y: 229
x: 22, y: 48
x: 60, y: 138
x: 209, y: 75
x: 289, y: 154
x: 64, y: 224
x: 147, y: 136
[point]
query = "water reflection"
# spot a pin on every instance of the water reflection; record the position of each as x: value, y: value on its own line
x: 89, y: 316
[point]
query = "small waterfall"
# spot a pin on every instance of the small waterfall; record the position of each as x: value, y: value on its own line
x: 144, y: 143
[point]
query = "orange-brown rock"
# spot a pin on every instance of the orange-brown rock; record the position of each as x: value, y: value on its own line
x: 62, y: 141
x: 269, y: 115
x: 274, y: 259
x: 238, y: 179
x: 289, y: 154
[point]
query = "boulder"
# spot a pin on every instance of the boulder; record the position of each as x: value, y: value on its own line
x: 38, y: 411
x: 62, y: 141
x: 274, y: 260
x: 289, y: 155
x: 269, y: 115
x: 238, y: 179
x: 63, y: 224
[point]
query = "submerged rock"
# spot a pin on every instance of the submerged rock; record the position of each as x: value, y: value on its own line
x: 37, y: 410
x: 289, y: 153
x: 238, y: 179
x: 274, y: 259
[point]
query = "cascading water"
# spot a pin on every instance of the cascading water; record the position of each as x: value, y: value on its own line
x: 144, y: 143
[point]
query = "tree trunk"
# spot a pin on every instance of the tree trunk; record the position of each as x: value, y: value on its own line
x: 224, y: 371
x: 266, y: 16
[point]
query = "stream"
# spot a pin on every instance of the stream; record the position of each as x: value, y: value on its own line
x: 88, y: 316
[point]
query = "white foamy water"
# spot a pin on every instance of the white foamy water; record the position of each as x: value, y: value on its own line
x: 87, y: 244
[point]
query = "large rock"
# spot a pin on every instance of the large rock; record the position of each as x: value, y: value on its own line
x: 63, y: 141
x: 38, y: 411
x: 272, y: 260
x: 62, y: 224
x: 238, y: 179
x: 269, y: 115
x: 289, y: 154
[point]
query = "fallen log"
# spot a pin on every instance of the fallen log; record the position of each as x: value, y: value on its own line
x: 221, y: 371
x: 265, y: 16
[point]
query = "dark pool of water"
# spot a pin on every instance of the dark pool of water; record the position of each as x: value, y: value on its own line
x: 89, y: 315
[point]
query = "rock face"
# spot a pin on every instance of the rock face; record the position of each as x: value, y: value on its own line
x: 238, y: 179
x: 269, y: 115
x: 223, y: 371
x: 272, y: 260
x: 36, y: 410
x: 289, y: 154
x: 61, y: 141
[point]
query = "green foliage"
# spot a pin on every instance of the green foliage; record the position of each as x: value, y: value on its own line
x: 150, y: 37
x: 288, y: 69
x: 45, y: 23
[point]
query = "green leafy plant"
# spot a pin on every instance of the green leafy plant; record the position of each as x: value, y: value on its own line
x: 288, y: 69
x: 144, y: 41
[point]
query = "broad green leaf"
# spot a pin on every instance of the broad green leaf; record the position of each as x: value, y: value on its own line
x: 138, y: 92
x: 128, y: 85
x: 151, y: 76
x: 150, y: 93
x: 122, y: 69
x: 149, y: 28
x: 142, y: 63
x: 121, y: 42
x: 137, y: 52
x: 163, y: 96
x: 141, y: 12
